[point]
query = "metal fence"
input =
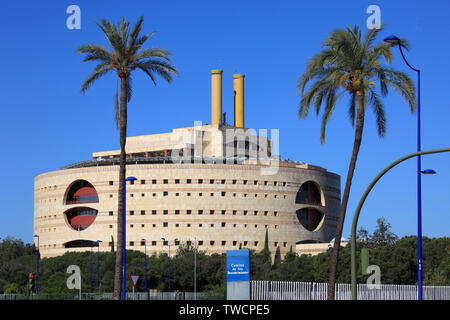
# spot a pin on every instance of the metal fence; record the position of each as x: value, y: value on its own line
x: 110, y: 296
x: 290, y: 290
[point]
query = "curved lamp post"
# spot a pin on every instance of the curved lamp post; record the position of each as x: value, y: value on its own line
x: 124, y: 259
x: 361, y: 202
x: 393, y: 40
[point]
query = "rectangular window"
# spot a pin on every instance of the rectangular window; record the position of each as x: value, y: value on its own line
x: 132, y: 213
x: 165, y: 193
x: 200, y: 211
x: 188, y: 211
x: 177, y: 211
x: 153, y: 243
x: 165, y: 181
x: 223, y: 224
x: 165, y: 224
x: 142, y: 212
x: 177, y: 181
x: 188, y: 181
x: 211, y: 181
x: 111, y: 183
x: 200, y: 181
x: 165, y: 211
x: 142, y: 181
x: 154, y: 181
x: 153, y: 211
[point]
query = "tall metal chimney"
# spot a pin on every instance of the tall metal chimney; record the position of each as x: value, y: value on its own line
x: 216, y: 96
x: 238, y: 100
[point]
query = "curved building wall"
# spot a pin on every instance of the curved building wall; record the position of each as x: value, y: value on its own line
x: 222, y: 206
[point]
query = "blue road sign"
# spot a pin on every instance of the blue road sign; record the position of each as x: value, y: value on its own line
x: 238, y: 265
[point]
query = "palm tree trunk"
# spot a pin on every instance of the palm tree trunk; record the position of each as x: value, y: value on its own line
x: 123, y: 135
x: 351, y: 168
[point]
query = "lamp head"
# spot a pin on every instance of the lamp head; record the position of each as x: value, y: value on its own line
x: 131, y: 179
x: 392, y: 40
x: 428, y: 171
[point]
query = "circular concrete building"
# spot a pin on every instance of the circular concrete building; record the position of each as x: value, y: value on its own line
x: 217, y: 185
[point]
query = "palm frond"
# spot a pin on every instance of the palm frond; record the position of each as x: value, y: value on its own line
x: 378, y: 109
x: 99, y: 71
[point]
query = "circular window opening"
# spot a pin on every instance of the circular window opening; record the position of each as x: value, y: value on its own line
x: 81, y: 191
x: 309, y: 193
x: 309, y: 218
x: 81, y: 218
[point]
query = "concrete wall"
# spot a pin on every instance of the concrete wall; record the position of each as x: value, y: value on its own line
x: 249, y: 209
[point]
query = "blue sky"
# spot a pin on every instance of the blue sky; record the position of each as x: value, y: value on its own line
x: 47, y: 123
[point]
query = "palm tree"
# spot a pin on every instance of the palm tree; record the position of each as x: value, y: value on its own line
x: 350, y: 63
x: 126, y: 56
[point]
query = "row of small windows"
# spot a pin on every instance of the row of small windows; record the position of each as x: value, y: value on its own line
x: 200, y: 194
x: 211, y: 243
x: 211, y: 181
x: 200, y: 225
x: 200, y: 211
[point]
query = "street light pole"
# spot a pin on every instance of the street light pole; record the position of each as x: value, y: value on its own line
x: 37, y: 262
x: 124, y: 259
x: 395, y: 40
x: 90, y: 288
x: 195, y: 268
x: 98, y: 264
x: 145, y: 265
x: 176, y: 239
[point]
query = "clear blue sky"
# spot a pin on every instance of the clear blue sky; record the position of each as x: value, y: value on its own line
x: 47, y: 123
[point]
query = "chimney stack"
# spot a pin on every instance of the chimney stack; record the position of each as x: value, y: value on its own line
x: 216, y: 96
x: 238, y: 100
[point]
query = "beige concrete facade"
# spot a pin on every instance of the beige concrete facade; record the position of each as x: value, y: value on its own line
x: 237, y: 205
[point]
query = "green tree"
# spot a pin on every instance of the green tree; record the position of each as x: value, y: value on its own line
x: 382, y: 235
x: 126, y: 56
x: 351, y: 64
